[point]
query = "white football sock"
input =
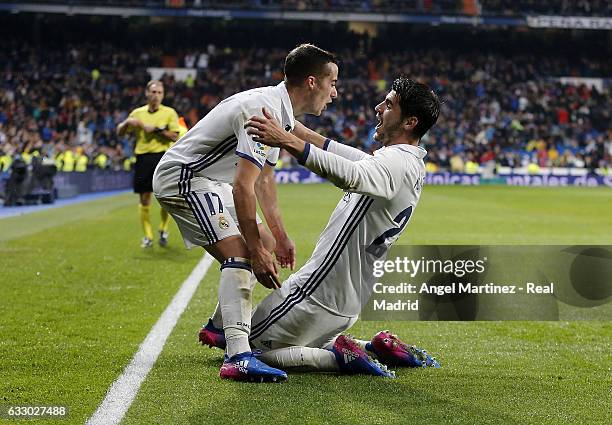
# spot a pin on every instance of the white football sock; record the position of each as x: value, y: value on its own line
x: 235, y: 302
x: 362, y: 344
x: 217, y: 317
x: 304, y: 358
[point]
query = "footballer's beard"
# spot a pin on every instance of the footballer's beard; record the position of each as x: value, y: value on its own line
x: 388, y: 134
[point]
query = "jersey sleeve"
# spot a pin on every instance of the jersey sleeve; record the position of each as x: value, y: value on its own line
x: 344, y: 151
x: 247, y: 148
x: 380, y: 175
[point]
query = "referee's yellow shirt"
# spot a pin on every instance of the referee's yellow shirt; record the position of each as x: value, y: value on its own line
x: 164, y: 118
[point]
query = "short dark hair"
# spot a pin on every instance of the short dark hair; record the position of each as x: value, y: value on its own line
x: 417, y: 100
x: 305, y: 60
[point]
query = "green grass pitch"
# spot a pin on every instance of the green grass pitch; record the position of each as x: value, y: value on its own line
x: 78, y: 296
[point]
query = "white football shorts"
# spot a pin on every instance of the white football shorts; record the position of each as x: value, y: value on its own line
x: 206, y: 216
x: 281, y: 321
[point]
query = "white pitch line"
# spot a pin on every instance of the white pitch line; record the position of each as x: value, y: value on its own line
x: 122, y: 392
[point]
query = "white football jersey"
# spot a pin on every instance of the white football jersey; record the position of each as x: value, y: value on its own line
x: 210, y: 150
x: 382, y: 191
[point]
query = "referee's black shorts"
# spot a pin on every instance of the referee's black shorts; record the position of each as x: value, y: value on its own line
x: 143, y: 171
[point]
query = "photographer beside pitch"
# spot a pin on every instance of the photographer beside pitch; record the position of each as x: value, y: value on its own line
x: 299, y: 325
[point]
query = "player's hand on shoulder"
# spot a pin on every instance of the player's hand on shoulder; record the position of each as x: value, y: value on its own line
x: 264, y: 268
x: 285, y: 252
x: 266, y: 129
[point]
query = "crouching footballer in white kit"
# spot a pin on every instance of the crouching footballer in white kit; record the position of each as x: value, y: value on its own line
x: 300, y: 324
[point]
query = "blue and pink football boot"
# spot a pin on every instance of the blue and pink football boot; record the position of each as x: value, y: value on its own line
x: 212, y: 336
x: 353, y: 360
x: 391, y: 351
x: 247, y: 367
x: 243, y: 366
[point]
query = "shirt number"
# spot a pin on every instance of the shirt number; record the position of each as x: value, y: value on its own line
x: 381, y: 243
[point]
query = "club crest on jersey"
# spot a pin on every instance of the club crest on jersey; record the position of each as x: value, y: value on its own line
x: 223, y: 223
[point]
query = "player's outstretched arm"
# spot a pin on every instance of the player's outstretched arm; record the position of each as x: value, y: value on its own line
x: 369, y: 175
x: 304, y: 133
x: 268, y: 131
x: 328, y: 144
x: 380, y: 176
x: 265, y: 189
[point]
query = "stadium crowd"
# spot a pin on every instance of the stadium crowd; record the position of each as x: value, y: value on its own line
x: 562, y: 7
x: 509, y: 109
x: 469, y: 7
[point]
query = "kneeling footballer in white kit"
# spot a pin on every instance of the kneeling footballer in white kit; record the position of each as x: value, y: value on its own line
x: 211, y: 179
x: 300, y: 324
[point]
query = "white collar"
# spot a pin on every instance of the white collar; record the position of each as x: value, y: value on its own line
x: 417, y: 151
x: 288, y: 118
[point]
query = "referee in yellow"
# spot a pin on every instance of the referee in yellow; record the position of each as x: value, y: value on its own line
x: 155, y: 127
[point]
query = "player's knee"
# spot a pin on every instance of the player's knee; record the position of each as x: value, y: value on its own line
x: 229, y: 247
